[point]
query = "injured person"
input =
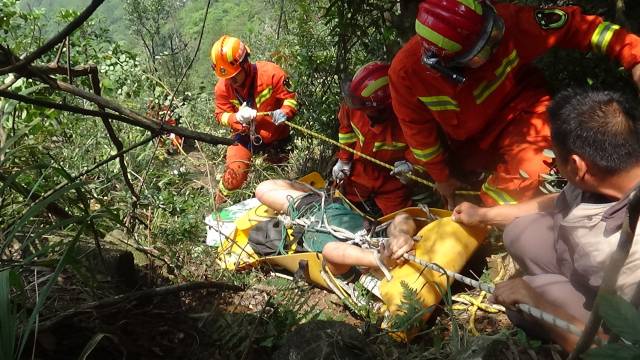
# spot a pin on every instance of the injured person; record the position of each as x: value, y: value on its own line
x: 299, y: 200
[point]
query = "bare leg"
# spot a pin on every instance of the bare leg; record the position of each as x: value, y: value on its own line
x: 277, y: 193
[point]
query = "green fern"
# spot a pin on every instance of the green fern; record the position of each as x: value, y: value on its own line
x: 410, y: 312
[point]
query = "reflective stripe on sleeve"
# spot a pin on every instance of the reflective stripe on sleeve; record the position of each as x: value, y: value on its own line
x: 263, y: 96
x: 602, y: 36
x: 358, y: 133
x: 224, y: 119
x: 377, y: 146
x: 291, y: 103
x: 427, y: 154
x: 347, y: 138
x: 440, y: 103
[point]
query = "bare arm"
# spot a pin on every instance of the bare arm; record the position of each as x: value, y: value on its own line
x: 469, y: 214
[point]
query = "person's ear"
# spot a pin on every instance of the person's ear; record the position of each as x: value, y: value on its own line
x: 578, y: 167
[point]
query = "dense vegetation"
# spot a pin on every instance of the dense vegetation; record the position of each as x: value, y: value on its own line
x: 57, y: 211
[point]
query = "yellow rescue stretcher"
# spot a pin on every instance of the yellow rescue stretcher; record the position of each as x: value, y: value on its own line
x: 441, y: 241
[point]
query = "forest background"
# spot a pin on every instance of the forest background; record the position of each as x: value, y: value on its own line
x: 146, y: 51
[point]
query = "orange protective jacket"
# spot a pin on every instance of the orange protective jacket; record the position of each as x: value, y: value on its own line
x: 507, y: 84
x: 384, y: 142
x: 270, y: 93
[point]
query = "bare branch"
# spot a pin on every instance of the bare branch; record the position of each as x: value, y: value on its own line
x: 95, y: 84
x: 59, y: 37
x: 147, y: 124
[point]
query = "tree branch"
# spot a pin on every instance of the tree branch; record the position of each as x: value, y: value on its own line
x: 95, y: 84
x: 155, y: 127
x: 59, y: 37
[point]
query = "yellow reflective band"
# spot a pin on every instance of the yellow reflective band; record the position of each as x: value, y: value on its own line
x: 223, y: 189
x: 347, y: 138
x: 358, y: 133
x: 264, y: 95
x: 291, y: 103
x: 436, y: 38
x: 486, y: 88
x: 389, y: 146
x: 499, y: 196
x: 224, y: 119
x: 601, y: 37
x: 375, y: 85
x: 440, y: 103
x: 427, y: 154
x: 236, y: 103
x: 473, y: 5
x: 228, y: 49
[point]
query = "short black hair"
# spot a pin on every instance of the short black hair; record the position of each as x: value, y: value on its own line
x: 602, y: 127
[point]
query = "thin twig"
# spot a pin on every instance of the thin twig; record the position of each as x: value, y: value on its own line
x: 59, y: 37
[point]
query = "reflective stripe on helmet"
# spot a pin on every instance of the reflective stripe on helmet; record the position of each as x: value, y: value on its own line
x: 224, y: 119
x: 439, y: 40
x: 290, y: 103
x: 501, y: 197
x: 427, y: 154
x: 263, y: 96
x: 486, y: 88
x: 393, y: 146
x: 601, y: 37
x: 375, y: 85
x: 473, y: 5
x: 440, y: 103
x: 347, y: 138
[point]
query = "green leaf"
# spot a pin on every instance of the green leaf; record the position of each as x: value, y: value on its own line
x: 613, y: 352
x: 620, y: 316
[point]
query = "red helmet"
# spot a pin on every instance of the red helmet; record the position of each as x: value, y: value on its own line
x: 459, y: 32
x: 369, y: 88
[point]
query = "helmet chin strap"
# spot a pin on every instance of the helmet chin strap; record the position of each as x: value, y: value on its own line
x: 453, y: 75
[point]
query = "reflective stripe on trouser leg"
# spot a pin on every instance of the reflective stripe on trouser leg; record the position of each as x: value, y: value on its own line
x: 238, y: 163
x: 492, y: 195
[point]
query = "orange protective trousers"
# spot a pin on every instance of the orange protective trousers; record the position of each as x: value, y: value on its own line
x: 516, y: 155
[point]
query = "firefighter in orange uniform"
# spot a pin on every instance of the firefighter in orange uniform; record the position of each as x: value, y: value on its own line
x: 468, y: 72
x: 244, y: 90
x: 368, y: 125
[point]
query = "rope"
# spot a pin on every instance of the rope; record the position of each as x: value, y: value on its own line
x: 364, y: 156
x: 527, y: 309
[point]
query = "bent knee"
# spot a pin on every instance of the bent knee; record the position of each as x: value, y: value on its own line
x: 525, y: 232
